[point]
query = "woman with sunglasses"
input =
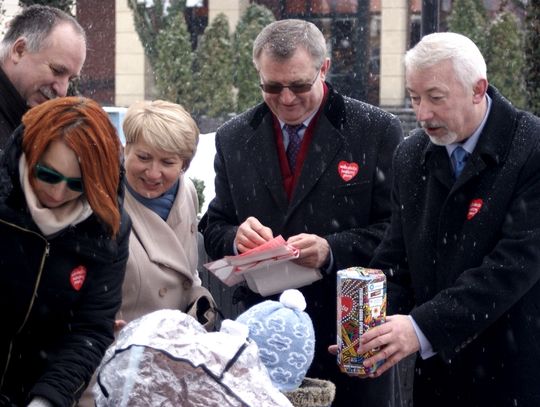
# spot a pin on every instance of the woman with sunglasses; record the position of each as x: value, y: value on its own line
x: 63, y: 251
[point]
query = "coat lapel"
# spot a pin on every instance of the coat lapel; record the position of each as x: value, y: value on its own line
x: 494, y: 142
x: 156, y: 237
x: 475, y: 165
x: 438, y: 163
x: 326, y: 142
x: 262, y: 153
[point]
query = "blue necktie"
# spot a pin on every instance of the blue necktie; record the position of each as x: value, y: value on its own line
x: 459, y: 159
x: 294, y: 143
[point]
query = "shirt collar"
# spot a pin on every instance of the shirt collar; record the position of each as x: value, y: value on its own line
x: 305, y: 122
x: 471, y: 142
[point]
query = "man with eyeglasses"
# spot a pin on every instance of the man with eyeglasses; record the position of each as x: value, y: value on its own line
x: 311, y: 165
x: 42, y: 51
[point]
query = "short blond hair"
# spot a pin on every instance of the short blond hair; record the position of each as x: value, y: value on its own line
x: 162, y: 125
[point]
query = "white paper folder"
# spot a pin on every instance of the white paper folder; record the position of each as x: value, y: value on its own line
x: 267, y: 269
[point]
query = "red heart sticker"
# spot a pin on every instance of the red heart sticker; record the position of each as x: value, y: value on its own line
x: 474, y: 208
x: 77, y: 277
x: 346, y: 306
x: 347, y: 171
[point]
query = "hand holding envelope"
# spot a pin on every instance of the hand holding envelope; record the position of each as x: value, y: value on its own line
x: 267, y: 269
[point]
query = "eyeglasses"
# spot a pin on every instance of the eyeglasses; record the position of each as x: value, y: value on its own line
x: 51, y: 176
x: 296, y: 88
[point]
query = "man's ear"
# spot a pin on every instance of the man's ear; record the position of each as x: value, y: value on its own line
x: 18, y: 49
x: 325, y: 68
x: 479, y: 90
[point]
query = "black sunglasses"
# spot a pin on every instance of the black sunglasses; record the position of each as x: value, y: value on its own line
x: 295, y: 88
x: 51, y: 176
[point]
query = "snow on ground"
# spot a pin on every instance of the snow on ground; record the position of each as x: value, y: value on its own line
x: 202, y: 166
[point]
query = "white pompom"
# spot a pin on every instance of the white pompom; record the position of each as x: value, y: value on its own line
x: 293, y: 299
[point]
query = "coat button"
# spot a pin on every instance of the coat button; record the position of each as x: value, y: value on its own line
x: 187, y: 284
x: 162, y: 291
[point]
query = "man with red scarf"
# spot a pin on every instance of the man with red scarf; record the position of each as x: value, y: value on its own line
x: 308, y: 164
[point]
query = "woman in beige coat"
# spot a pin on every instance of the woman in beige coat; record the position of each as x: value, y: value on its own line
x: 161, y: 140
x: 161, y: 271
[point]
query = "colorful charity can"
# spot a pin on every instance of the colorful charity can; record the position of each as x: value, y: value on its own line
x: 361, y: 305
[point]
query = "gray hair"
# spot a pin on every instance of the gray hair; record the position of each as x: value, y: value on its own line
x: 467, y: 60
x: 35, y: 23
x: 282, y: 38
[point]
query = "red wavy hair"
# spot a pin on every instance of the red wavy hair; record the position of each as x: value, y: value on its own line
x: 86, y: 129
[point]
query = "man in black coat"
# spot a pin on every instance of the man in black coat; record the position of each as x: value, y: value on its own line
x: 462, y: 253
x: 333, y: 203
x: 42, y: 51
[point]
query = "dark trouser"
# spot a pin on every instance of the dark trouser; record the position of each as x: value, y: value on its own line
x: 392, y: 389
x: 5, y: 402
x: 480, y: 384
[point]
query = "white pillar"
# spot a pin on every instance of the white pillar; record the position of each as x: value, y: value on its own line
x: 233, y: 9
x: 129, y: 58
x: 394, y: 18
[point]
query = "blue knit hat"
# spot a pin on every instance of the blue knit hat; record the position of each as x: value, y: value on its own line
x: 285, y: 337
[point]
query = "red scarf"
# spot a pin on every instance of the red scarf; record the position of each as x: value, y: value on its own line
x: 291, y: 177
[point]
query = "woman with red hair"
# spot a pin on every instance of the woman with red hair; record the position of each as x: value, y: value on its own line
x: 63, y: 251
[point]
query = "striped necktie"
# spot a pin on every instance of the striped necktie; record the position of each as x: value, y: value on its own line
x: 294, y: 143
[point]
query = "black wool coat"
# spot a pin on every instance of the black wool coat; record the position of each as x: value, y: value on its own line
x: 464, y: 259
x: 351, y: 215
x: 59, y: 296
x: 12, y: 108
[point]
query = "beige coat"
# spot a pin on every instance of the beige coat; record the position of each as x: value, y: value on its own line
x: 161, y: 270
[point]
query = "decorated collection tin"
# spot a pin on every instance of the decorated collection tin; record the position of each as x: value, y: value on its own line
x: 361, y: 305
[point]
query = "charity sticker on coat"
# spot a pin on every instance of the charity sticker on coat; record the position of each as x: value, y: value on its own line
x: 347, y: 170
x: 361, y: 305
